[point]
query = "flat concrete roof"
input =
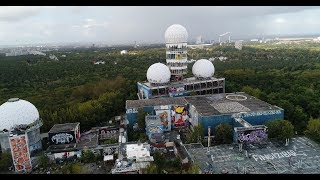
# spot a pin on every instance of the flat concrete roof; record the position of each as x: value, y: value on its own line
x: 63, y: 127
x: 213, y: 104
x: 228, y: 103
x: 89, y: 140
x: 301, y: 156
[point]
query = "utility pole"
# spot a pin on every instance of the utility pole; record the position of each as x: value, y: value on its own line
x: 209, y: 137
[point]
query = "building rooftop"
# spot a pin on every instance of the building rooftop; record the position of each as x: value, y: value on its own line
x: 136, y: 151
x: 153, y: 120
x: 63, y: 127
x: 154, y: 102
x: 301, y: 156
x: 87, y: 140
x: 228, y: 103
x: 213, y: 104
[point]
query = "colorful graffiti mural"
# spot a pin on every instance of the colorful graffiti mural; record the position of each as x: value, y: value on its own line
x: 252, y: 136
x: 165, y: 119
x: 20, y: 154
x: 179, y: 116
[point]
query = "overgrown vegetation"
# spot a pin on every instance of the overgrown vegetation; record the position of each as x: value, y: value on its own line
x: 313, y: 130
x: 196, y: 136
x: 5, y: 161
x: 163, y: 165
x: 73, y: 89
x: 44, y: 161
x: 88, y: 156
x: 280, y: 129
x: 72, y: 168
x: 223, y: 134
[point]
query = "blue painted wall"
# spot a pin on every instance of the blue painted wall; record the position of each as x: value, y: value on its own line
x: 263, y: 119
x: 145, y: 89
x: 214, y: 121
x: 132, y: 116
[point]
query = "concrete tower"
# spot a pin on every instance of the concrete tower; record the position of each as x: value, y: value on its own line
x: 176, y: 37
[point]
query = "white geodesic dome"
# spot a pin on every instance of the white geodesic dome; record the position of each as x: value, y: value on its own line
x: 158, y: 73
x: 176, y: 34
x: 17, y: 112
x: 203, y: 68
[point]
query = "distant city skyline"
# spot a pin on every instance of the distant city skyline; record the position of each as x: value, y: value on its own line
x: 147, y: 24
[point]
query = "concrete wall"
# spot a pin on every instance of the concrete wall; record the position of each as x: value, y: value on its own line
x: 34, y: 140
x: 4, y: 142
x: 132, y: 114
x: 255, y: 118
x: 214, y: 121
x: 263, y: 117
x: 146, y: 91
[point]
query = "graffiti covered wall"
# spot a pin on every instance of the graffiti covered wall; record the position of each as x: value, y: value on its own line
x: 62, y: 138
x: 20, y: 154
x: 252, y: 136
x: 179, y: 116
x: 165, y: 117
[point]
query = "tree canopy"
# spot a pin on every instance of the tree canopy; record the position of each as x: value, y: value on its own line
x: 73, y: 89
x: 223, y: 134
x: 280, y: 129
x: 313, y: 130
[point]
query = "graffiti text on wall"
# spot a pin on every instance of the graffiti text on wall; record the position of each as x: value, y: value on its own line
x: 261, y: 113
x: 62, y: 138
x: 271, y: 156
x: 254, y: 136
x: 133, y: 110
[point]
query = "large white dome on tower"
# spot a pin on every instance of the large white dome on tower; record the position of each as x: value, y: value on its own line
x: 17, y: 112
x: 176, y: 34
x: 203, y: 68
x: 158, y: 73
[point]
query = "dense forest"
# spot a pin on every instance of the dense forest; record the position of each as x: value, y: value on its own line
x: 73, y: 89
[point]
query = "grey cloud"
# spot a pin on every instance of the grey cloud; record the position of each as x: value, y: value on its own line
x: 16, y: 13
x: 148, y: 24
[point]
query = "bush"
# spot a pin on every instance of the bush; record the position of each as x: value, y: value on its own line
x: 72, y: 168
x: 5, y: 161
x: 196, y: 136
x: 87, y: 156
x: 223, y: 134
x: 44, y: 160
x: 280, y: 129
x: 313, y: 130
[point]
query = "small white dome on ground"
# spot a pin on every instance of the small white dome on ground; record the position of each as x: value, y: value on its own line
x: 203, y: 68
x: 17, y: 112
x: 158, y: 73
x: 176, y: 34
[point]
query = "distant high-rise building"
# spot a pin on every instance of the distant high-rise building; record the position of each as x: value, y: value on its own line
x: 238, y: 45
x: 199, y: 40
x: 135, y: 44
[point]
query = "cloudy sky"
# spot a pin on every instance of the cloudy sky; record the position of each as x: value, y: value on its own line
x: 40, y: 24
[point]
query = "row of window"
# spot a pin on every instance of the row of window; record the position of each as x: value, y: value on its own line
x: 175, y: 48
x: 176, y: 64
x: 179, y: 71
x: 176, y: 56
